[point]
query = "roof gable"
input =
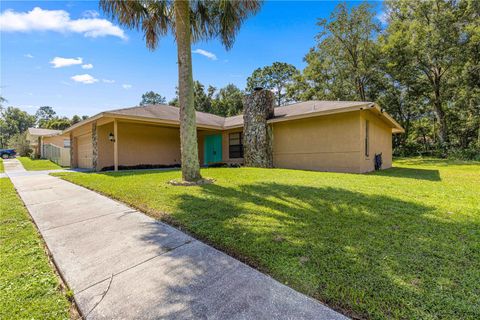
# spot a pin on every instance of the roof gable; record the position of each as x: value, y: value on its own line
x: 43, y: 132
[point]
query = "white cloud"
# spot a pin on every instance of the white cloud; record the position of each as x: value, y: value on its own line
x: 59, y: 62
x: 205, y: 53
x: 108, y: 81
x: 28, y: 55
x: 92, y: 14
x: 59, y: 21
x: 126, y: 86
x: 84, y: 78
x: 87, y: 66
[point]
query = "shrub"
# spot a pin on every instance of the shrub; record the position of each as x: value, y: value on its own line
x: 20, y: 144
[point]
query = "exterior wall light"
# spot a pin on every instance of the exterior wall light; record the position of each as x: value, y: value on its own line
x: 111, y: 137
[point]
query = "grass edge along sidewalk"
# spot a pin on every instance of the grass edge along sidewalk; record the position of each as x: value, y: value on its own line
x: 38, y: 164
x: 29, y: 285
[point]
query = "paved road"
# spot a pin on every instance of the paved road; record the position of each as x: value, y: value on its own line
x: 122, y: 264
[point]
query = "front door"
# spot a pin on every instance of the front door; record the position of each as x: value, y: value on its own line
x: 213, y: 149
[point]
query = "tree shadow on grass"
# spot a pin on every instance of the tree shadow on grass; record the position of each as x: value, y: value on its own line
x: 370, y: 256
x: 435, y: 162
x: 136, y: 172
x: 410, y: 173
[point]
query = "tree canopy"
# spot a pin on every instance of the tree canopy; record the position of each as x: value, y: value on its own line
x: 225, y: 102
x: 228, y: 101
x: 276, y: 77
x: 422, y: 67
x: 342, y: 65
x: 13, y: 121
x: 151, y: 97
x: 44, y: 115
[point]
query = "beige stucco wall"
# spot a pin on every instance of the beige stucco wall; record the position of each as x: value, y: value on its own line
x: 380, y: 136
x: 105, y: 146
x: 327, y: 143
x: 147, y: 144
x: 139, y: 143
x: 225, y: 146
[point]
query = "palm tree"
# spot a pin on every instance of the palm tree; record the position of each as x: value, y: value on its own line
x: 188, y: 21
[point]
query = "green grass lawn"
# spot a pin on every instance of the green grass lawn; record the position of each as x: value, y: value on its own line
x: 38, y: 164
x: 29, y: 289
x: 400, y: 243
x: 1, y: 165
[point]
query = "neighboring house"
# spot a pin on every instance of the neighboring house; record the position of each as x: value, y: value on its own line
x: 50, y: 144
x: 313, y: 135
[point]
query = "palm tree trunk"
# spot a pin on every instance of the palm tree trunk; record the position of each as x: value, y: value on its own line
x: 188, y: 128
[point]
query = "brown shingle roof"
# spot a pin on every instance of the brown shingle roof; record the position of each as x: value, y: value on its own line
x: 290, y: 112
x: 303, y: 109
x: 313, y: 106
x: 43, y: 132
x: 165, y: 112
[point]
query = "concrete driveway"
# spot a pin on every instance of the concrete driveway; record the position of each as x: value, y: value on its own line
x: 123, y: 264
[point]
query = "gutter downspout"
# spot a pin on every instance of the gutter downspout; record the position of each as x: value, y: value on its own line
x: 40, y: 146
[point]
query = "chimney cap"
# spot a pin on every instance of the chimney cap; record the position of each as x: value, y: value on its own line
x: 257, y: 89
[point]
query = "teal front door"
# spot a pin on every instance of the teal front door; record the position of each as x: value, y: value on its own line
x: 213, y: 149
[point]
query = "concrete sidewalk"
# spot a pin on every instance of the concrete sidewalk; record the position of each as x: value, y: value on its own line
x: 122, y: 264
x: 13, y: 166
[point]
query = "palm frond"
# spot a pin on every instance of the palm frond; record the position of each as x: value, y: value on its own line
x: 208, y: 18
x: 152, y: 17
x: 230, y: 16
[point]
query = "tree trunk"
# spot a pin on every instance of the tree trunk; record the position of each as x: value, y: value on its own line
x: 438, y: 110
x: 442, y: 122
x: 188, y: 128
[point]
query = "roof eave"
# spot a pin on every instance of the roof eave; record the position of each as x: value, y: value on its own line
x: 158, y: 120
x: 396, y: 127
x: 236, y: 126
x: 81, y: 123
x: 319, y: 113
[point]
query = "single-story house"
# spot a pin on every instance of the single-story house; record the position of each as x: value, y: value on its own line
x: 340, y: 136
x: 37, y: 138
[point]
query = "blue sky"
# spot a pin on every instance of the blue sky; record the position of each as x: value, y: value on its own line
x: 102, y: 66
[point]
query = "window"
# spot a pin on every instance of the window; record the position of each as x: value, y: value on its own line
x: 66, y: 143
x: 235, y: 145
x: 367, y: 138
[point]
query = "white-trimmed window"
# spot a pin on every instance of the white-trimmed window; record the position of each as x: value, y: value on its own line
x: 66, y: 143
